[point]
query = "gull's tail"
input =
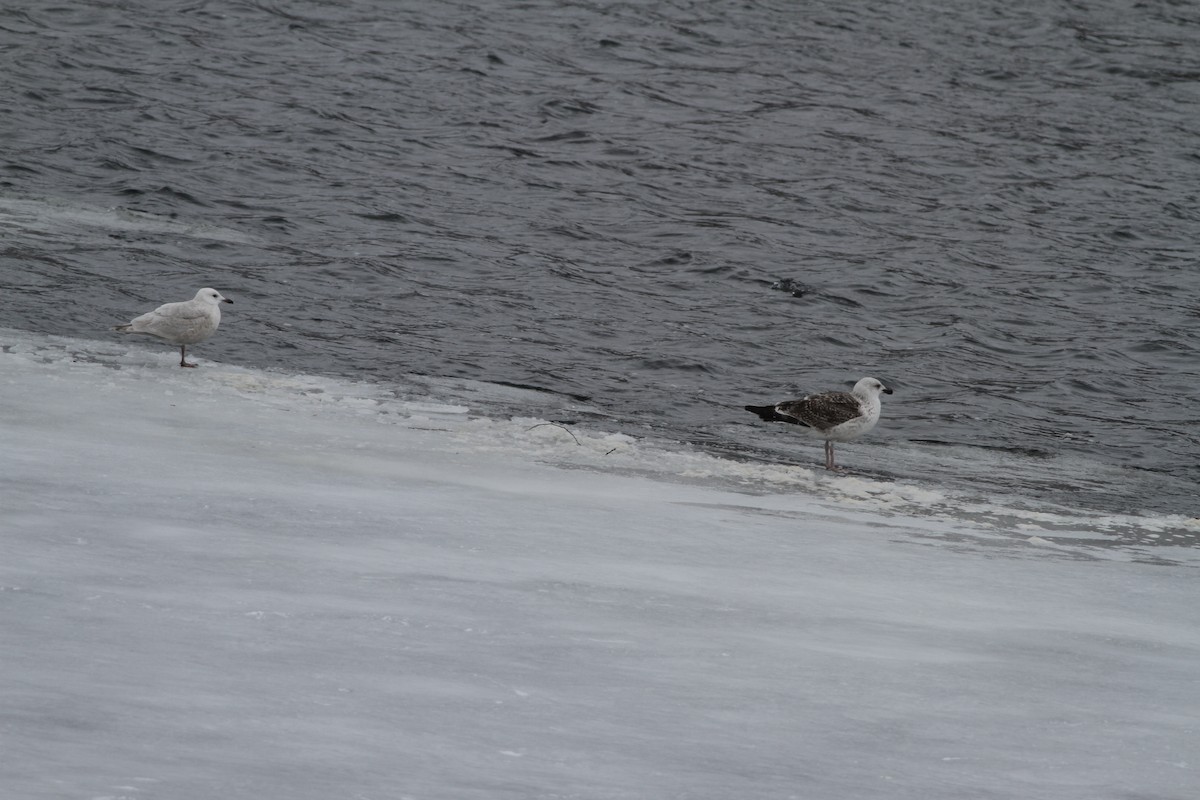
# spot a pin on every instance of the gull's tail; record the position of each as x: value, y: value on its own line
x: 124, y: 328
x: 769, y: 414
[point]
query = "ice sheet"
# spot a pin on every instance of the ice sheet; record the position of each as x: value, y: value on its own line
x: 224, y: 583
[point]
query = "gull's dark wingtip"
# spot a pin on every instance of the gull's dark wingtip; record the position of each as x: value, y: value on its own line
x: 769, y: 414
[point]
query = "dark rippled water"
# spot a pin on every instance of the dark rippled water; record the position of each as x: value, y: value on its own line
x: 668, y: 208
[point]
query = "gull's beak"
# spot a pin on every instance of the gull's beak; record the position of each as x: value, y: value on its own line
x: 887, y: 390
x: 227, y: 300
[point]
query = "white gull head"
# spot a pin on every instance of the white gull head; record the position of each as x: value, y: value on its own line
x: 211, y: 296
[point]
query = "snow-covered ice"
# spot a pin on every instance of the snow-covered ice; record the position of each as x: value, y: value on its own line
x: 229, y: 583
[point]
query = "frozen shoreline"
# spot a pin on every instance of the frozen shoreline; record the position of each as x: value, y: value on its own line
x: 228, y: 583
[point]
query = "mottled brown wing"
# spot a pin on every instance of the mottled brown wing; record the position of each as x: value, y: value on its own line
x: 823, y: 411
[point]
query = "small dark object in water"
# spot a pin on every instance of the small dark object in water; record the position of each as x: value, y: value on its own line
x: 788, y: 285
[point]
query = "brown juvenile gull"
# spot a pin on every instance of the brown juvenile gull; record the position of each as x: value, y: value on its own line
x: 833, y: 416
x: 182, y: 323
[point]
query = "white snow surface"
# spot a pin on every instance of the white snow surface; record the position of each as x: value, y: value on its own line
x: 229, y: 583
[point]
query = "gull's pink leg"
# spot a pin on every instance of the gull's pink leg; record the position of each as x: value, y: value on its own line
x: 829, y: 465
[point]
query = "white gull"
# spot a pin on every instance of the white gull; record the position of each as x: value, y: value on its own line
x: 183, y: 323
